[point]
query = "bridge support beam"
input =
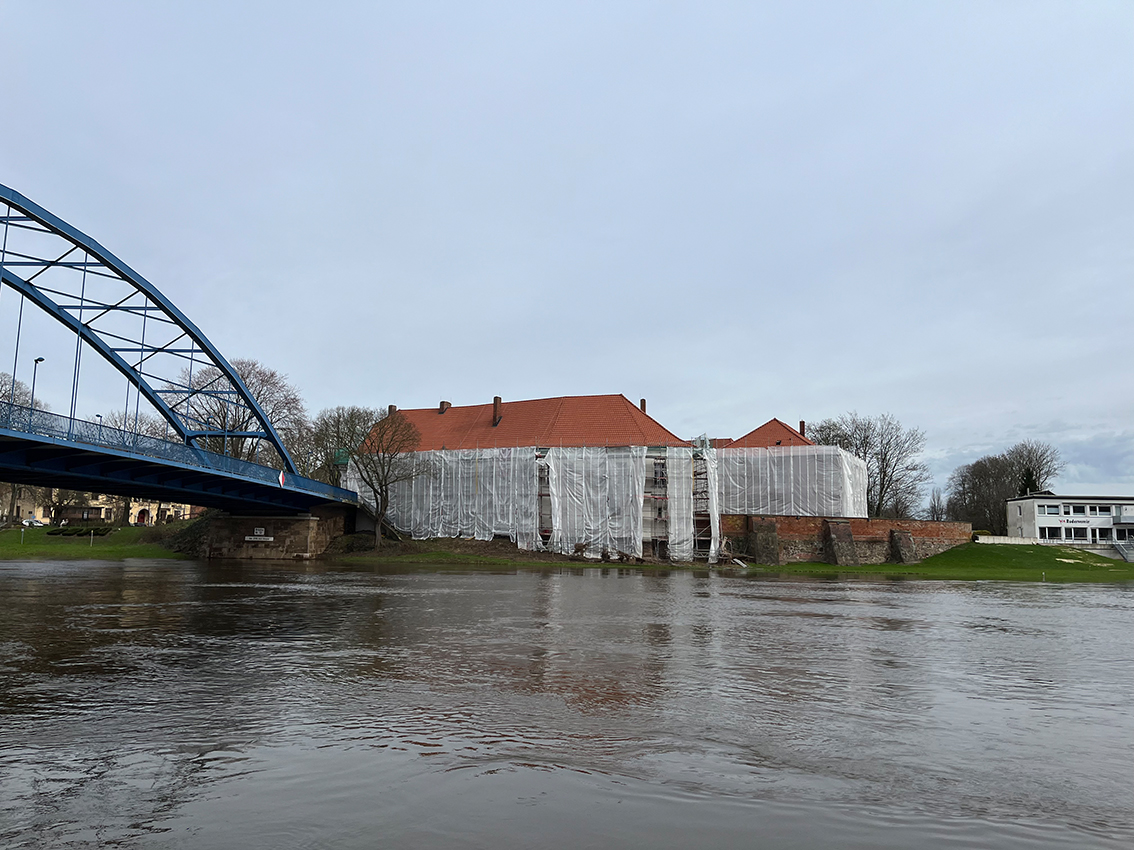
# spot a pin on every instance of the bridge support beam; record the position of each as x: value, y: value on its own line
x: 277, y: 538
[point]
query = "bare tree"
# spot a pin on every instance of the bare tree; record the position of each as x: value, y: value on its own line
x: 55, y: 499
x: 137, y: 422
x: 17, y: 393
x: 1036, y: 464
x: 896, y: 478
x: 379, y: 445
x: 979, y: 490
x: 937, y: 509
x: 333, y: 439
x: 277, y: 397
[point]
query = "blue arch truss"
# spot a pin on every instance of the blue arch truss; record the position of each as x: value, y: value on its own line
x: 120, y: 315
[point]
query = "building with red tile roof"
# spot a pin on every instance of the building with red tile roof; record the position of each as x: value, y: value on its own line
x: 576, y: 421
x: 595, y: 475
x: 771, y: 433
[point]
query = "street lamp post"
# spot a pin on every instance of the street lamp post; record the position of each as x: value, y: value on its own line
x: 99, y: 415
x: 35, y: 369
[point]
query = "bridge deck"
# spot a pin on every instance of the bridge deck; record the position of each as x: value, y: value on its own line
x: 47, y: 450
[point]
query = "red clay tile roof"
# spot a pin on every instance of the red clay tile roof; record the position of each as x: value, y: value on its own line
x: 596, y: 420
x: 771, y: 433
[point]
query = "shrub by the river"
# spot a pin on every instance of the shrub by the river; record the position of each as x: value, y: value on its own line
x: 186, y: 537
x: 363, y: 541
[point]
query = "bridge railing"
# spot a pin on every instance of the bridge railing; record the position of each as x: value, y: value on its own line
x: 17, y: 417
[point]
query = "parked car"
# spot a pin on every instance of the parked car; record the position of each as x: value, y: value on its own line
x: 33, y: 523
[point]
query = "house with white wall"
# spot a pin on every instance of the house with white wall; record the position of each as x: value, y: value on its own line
x: 1076, y: 520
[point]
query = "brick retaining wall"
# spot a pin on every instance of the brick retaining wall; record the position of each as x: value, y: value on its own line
x: 792, y: 539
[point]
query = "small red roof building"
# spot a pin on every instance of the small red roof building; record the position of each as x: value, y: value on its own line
x: 771, y: 433
x: 595, y: 420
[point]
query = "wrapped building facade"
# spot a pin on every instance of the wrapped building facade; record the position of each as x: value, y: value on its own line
x: 645, y: 492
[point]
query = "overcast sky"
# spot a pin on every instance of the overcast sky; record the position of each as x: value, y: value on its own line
x: 737, y: 211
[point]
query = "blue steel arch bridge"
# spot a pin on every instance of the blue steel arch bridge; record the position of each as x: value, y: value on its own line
x: 186, y: 410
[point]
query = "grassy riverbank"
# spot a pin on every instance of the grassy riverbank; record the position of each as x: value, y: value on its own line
x: 970, y: 562
x: 37, y: 545
x: 984, y: 562
x: 452, y: 551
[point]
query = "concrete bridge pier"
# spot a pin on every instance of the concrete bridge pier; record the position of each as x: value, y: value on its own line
x: 278, y: 538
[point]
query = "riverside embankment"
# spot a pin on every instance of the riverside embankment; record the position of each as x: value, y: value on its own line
x: 970, y: 562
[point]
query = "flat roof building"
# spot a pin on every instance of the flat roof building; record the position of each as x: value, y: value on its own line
x: 1093, y: 521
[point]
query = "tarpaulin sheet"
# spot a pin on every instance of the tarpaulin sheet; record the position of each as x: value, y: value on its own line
x: 679, y: 498
x: 791, y: 481
x: 596, y: 499
x: 475, y: 493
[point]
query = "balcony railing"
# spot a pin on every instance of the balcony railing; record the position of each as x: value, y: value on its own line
x: 1080, y: 542
x: 16, y: 417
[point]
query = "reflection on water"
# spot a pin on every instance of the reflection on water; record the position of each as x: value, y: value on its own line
x: 186, y: 705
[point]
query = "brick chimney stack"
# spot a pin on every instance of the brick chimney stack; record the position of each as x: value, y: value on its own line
x: 642, y: 404
x: 441, y: 408
x: 496, y: 414
x: 802, y: 428
x: 391, y: 410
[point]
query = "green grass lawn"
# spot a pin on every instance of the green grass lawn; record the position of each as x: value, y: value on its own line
x: 970, y: 562
x: 442, y: 557
x: 37, y: 545
x: 989, y: 562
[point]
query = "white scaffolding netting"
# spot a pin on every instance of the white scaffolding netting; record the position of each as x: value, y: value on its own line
x: 679, y: 498
x: 596, y: 499
x: 791, y: 481
x: 712, y: 468
x: 477, y: 493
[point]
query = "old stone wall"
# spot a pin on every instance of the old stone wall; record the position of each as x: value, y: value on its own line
x: 799, y: 539
x: 277, y: 538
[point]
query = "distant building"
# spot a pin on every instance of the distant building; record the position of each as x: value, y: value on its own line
x: 584, y: 474
x: 771, y: 433
x: 1080, y: 520
x: 103, y: 510
x: 24, y: 503
x: 596, y: 475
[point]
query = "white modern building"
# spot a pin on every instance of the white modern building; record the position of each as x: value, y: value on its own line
x: 1078, y: 520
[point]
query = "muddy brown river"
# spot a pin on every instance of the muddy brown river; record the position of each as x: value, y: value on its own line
x: 185, y: 705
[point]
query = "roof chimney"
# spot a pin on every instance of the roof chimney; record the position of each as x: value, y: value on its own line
x: 496, y: 415
x: 642, y: 404
x: 391, y: 410
x: 441, y: 408
x: 802, y: 429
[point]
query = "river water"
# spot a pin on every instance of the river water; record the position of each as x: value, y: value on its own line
x: 187, y: 705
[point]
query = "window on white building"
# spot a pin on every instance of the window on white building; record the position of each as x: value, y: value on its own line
x: 1067, y: 510
x: 1078, y: 533
x: 1079, y: 509
x: 1046, y: 533
x: 1104, y: 534
x: 1104, y: 510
